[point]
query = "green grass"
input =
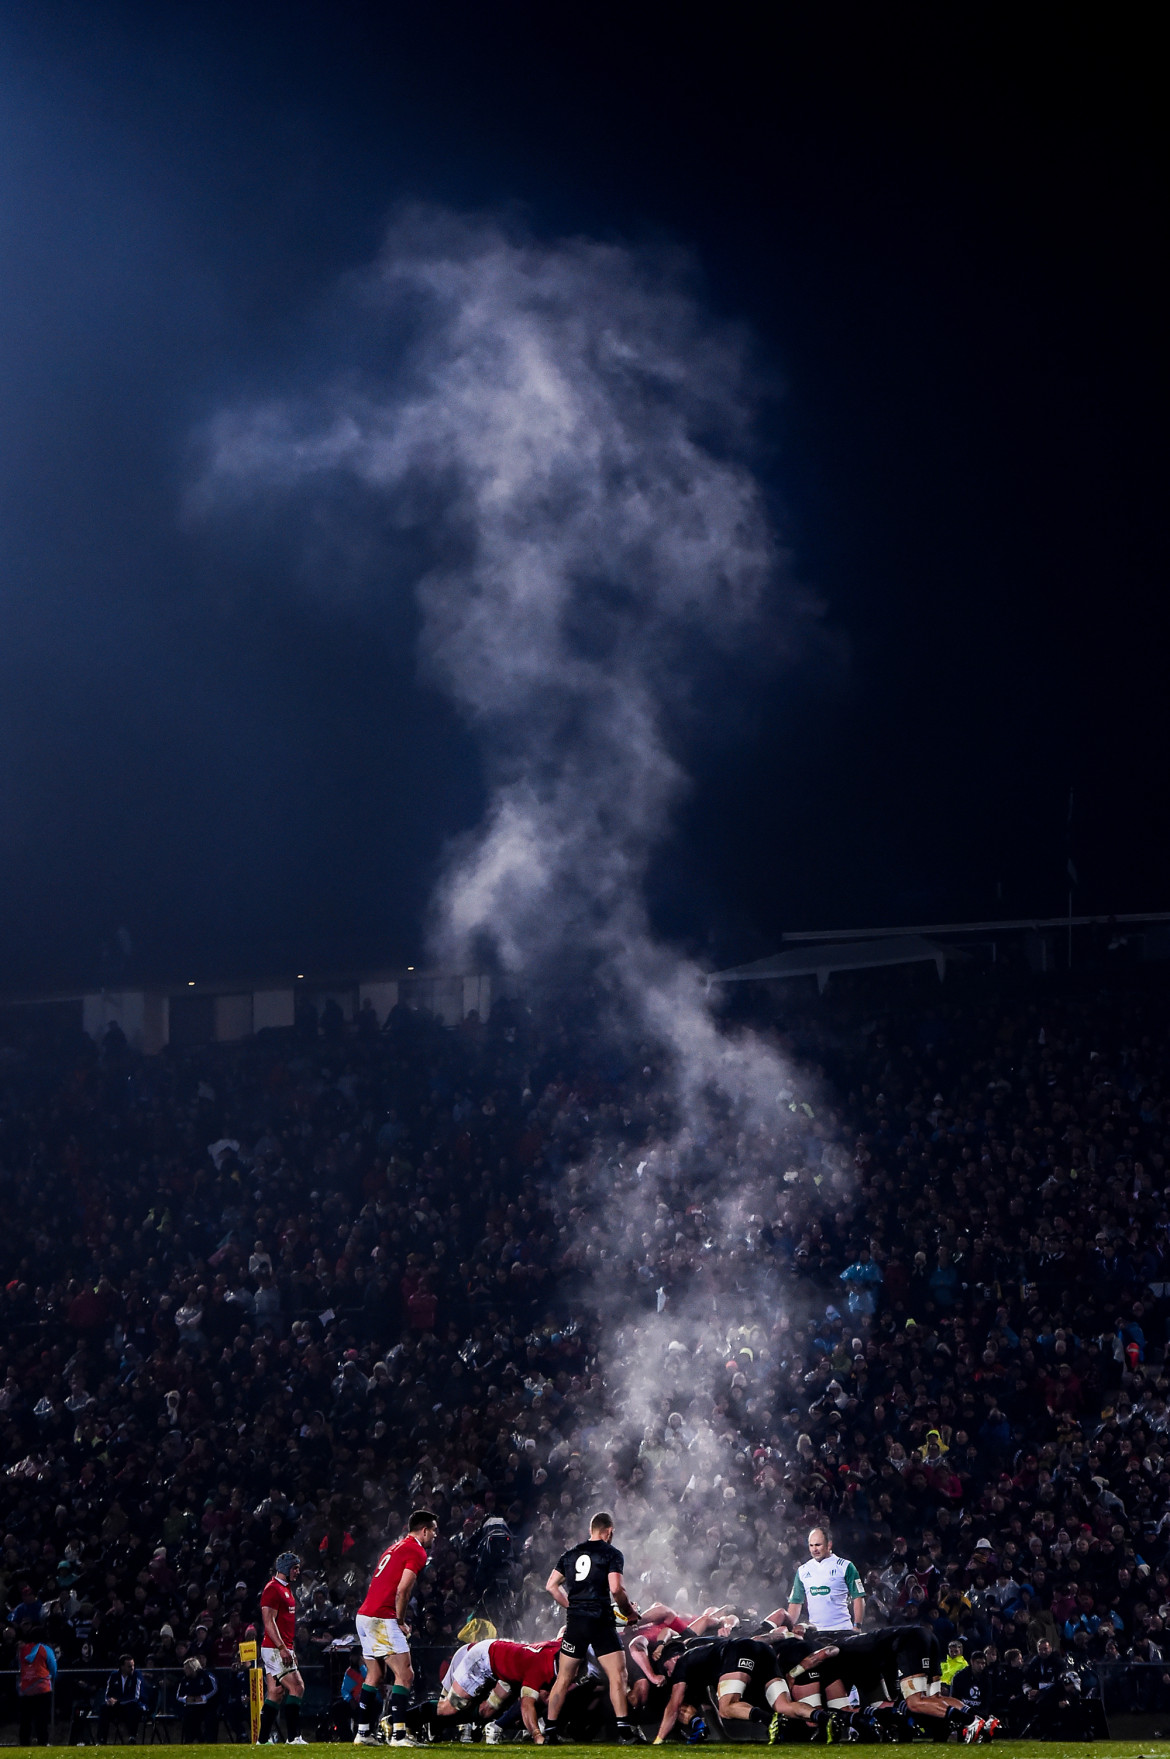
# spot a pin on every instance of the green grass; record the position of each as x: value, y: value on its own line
x: 1009, y: 1749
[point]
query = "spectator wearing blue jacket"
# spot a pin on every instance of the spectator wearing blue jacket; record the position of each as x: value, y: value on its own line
x: 863, y: 1279
x: 122, y: 1700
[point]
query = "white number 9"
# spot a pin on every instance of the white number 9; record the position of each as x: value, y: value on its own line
x: 583, y: 1566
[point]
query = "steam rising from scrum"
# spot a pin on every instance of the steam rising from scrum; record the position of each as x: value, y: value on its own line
x: 560, y: 428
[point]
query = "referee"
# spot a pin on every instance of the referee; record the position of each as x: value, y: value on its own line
x: 583, y: 1582
x: 826, y: 1591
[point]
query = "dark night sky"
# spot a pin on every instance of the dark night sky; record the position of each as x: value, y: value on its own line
x: 946, y: 228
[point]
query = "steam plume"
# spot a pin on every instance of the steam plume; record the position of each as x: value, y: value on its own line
x: 564, y: 426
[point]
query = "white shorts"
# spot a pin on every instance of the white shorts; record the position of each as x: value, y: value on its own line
x: 381, y: 1637
x: 470, y: 1672
x: 274, y: 1667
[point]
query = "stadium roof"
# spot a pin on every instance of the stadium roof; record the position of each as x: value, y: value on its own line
x: 821, y: 962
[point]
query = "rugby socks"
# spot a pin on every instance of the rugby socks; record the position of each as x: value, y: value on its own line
x: 268, y: 1719
x: 292, y: 1717
x: 399, y: 1699
x: 369, y: 1707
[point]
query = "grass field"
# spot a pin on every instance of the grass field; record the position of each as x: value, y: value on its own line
x: 1007, y: 1747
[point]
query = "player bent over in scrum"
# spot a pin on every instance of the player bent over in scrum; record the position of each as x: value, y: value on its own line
x: 466, y: 1681
x: 749, y: 1681
x: 908, y: 1657
x: 658, y: 1624
x: 384, y: 1633
x: 531, y: 1667
x: 587, y: 1582
x: 754, y: 1685
x: 504, y: 1666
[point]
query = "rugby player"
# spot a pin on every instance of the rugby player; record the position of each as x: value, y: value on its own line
x: 587, y: 1582
x: 907, y: 1657
x: 746, y: 1678
x: 504, y: 1666
x: 532, y: 1667
x: 283, y: 1685
x: 384, y: 1633
x: 656, y: 1625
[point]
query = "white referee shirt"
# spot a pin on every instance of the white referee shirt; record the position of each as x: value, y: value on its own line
x: 826, y: 1588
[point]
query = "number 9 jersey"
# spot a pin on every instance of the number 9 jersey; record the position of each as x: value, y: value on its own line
x: 586, y: 1570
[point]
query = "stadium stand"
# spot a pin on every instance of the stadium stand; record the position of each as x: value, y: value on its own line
x: 268, y: 1295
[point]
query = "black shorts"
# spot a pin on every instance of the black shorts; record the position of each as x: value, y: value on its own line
x: 594, y: 1631
x: 755, y: 1660
x: 916, y: 1652
x: 752, y: 1659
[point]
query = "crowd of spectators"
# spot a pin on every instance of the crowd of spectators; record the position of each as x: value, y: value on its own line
x: 266, y: 1296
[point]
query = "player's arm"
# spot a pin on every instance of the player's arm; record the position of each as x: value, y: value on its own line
x: 779, y: 1620
x: 555, y: 1586
x: 670, y: 1714
x: 529, y: 1698
x: 272, y: 1637
x: 856, y: 1593
x: 710, y: 1615
x: 496, y: 1699
x: 621, y: 1599
x: 639, y: 1653
x: 814, y: 1660
x: 402, y: 1595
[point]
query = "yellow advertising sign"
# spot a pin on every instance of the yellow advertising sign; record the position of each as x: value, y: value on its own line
x: 248, y: 1659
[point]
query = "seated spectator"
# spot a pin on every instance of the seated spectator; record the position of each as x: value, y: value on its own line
x: 196, y: 1693
x: 122, y: 1702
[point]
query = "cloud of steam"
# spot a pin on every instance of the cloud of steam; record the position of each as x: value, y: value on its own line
x: 565, y: 428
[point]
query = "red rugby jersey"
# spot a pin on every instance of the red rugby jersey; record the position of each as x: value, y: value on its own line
x: 404, y: 1554
x: 525, y: 1664
x: 280, y: 1597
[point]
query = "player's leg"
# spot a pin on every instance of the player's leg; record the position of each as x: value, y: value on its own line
x: 794, y: 1703
x: 452, y: 1703
x: 401, y: 1682
x: 294, y: 1697
x: 273, y: 1698
x: 729, y: 1698
x: 614, y: 1667
x: 466, y: 1678
x: 567, y: 1666
x: 375, y: 1647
